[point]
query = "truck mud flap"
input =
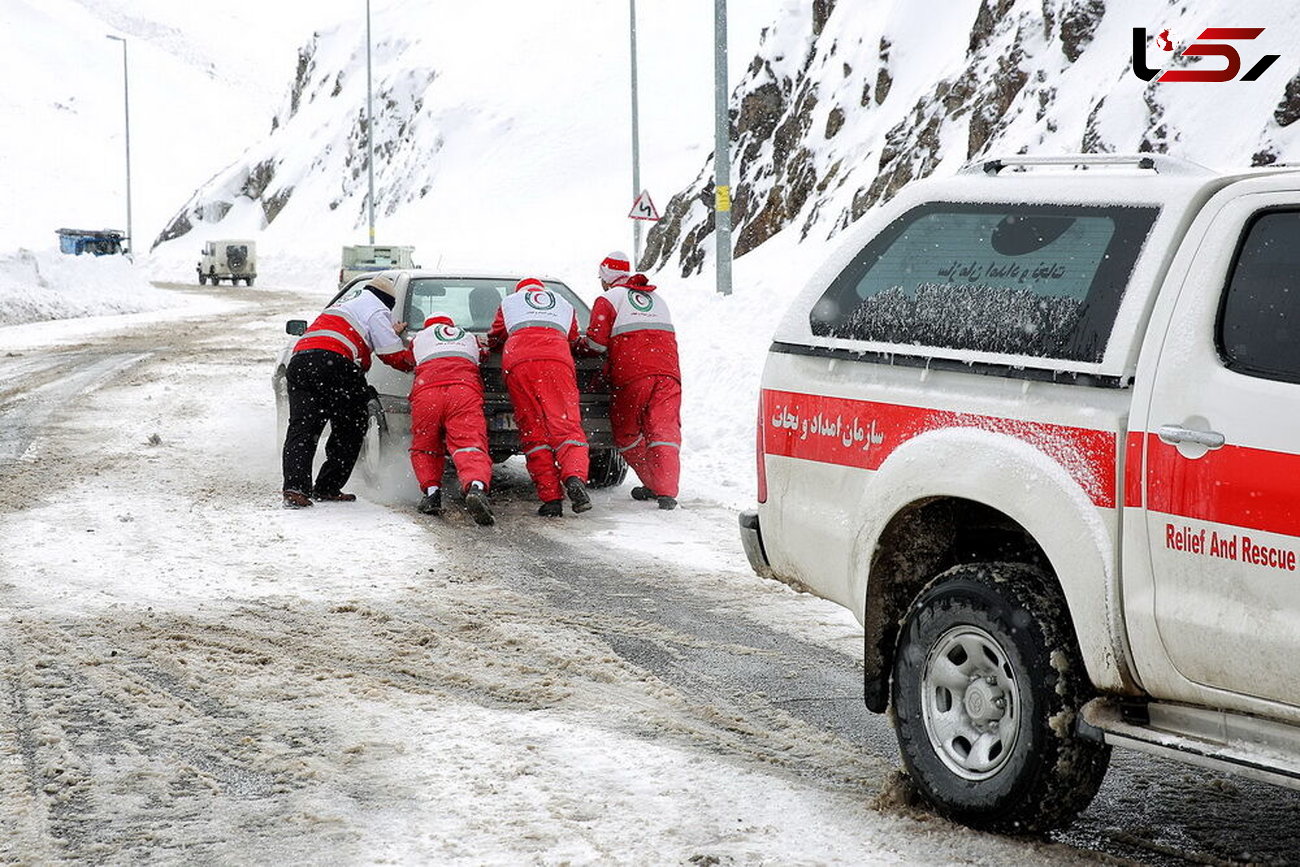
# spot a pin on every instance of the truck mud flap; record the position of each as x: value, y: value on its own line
x: 752, y: 539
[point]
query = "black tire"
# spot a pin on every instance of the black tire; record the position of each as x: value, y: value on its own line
x: 280, y: 385
x: 375, y: 446
x: 248, y: 281
x: 203, y: 279
x: 988, y: 682
x: 606, y: 469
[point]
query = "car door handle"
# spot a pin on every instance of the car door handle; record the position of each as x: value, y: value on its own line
x: 1176, y: 435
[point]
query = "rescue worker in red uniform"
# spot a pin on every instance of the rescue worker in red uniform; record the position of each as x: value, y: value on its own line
x: 631, y: 323
x: 327, y: 383
x: 537, y: 331
x: 447, y: 416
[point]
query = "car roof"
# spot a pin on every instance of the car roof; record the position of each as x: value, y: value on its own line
x: 423, y: 274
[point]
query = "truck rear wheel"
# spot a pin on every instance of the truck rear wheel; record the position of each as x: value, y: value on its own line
x: 988, y: 681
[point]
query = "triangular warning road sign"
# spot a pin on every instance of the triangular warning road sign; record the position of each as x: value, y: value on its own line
x: 643, y: 208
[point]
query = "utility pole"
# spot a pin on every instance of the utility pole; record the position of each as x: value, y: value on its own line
x: 721, y: 148
x: 636, y: 146
x: 370, y: 133
x: 126, y: 108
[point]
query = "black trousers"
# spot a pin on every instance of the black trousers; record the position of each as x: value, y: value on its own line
x: 324, y: 387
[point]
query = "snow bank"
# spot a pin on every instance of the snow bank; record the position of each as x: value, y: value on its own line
x: 43, y: 285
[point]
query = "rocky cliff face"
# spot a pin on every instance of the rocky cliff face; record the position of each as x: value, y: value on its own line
x: 848, y: 102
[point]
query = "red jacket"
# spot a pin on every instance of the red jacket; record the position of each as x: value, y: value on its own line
x: 632, y: 324
x: 356, y: 328
x: 534, y: 323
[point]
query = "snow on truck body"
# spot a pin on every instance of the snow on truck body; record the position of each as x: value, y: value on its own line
x: 1063, y: 387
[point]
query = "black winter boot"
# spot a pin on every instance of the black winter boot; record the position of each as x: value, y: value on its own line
x: 295, y: 499
x: 578, y: 495
x: 551, y: 509
x: 476, y: 500
x: 431, y: 504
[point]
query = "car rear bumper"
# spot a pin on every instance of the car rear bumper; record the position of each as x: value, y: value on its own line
x: 503, y: 435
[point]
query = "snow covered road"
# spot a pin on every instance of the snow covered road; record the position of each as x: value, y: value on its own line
x: 190, y: 673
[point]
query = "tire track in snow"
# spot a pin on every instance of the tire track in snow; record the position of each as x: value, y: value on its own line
x: 61, y: 378
x: 121, y: 754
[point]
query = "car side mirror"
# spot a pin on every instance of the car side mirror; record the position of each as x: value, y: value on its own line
x: 297, y: 327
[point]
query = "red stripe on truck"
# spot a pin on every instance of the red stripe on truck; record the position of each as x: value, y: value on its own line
x: 1133, y: 471
x: 1243, y: 487
x: 862, y: 433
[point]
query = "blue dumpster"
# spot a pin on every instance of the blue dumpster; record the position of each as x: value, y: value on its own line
x: 96, y: 242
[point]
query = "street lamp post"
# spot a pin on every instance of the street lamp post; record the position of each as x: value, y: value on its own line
x: 636, y: 145
x: 721, y: 149
x: 370, y: 134
x: 126, y: 108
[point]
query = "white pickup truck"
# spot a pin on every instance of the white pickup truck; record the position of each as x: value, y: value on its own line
x: 1038, y: 426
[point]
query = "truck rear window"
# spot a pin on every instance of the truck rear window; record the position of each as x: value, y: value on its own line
x: 1034, y: 280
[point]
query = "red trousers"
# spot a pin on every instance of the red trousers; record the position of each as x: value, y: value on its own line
x: 646, y: 419
x: 449, y: 418
x: 544, y: 394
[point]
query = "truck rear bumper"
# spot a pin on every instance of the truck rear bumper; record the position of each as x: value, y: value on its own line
x: 752, y: 538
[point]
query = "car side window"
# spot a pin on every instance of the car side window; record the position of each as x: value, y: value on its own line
x: 1036, y: 280
x: 1258, y: 331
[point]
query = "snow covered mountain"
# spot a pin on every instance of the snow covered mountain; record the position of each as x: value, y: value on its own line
x: 842, y: 105
x: 498, y: 129
x: 841, y: 108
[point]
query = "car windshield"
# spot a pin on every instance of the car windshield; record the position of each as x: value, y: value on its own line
x: 472, y: 302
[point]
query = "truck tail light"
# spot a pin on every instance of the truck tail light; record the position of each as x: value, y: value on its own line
x: 760, y: 452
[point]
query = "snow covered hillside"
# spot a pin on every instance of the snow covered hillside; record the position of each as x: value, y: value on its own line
x: 848, y: 101
x: 499, y: 140
x: 842, y: 104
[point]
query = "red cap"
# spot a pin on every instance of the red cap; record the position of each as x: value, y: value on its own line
x: 530, y: 284
x: 437, y: 318
x: 615, y: 266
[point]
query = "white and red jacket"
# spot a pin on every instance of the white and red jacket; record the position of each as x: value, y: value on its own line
x: 534, y: 323
x: 446, y: 355
x: 632, y: 324
x: 357, y: 328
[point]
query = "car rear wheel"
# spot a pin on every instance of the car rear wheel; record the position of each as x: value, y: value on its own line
x: 988, y: 682
x: 606, y: 468
x: 280, y: 385
x: 373, y: 448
